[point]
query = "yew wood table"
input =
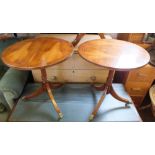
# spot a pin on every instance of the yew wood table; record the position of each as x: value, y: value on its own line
x: 38, y: 53
x: 114, y: 55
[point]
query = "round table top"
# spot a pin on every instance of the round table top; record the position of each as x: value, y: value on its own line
x: 114, y: 54
x: 37, y: 53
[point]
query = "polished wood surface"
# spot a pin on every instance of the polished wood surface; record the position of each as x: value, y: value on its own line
x: 114, y: 54
x: 145, y: 45
x: 138, y: 83
x: 131, y: 37
x: 37, y: 53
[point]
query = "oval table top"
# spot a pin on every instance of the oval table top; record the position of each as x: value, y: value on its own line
x: 114, y: 54
x: 37, y: 53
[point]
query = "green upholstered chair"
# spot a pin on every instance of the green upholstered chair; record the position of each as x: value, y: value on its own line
x: 11, y: 81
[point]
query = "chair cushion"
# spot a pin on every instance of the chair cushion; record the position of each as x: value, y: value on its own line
x: 13, y: 81
x: 11, y: 86
x: 3, y: 103
x: 3, y: 69
x: 2, y: 108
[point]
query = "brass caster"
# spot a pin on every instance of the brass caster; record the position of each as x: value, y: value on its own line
x: 60, y: 115
x: 91, y: 117
x: 127, y: 104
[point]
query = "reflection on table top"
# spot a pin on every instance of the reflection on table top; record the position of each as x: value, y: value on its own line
x: 114, y: 54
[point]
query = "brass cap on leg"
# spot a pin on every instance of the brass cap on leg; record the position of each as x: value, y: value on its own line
x: 91, y: 117
x: 60, y: 115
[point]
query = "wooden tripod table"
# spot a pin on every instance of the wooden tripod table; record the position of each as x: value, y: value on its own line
x: 114, y: 55
x: 38, y: 53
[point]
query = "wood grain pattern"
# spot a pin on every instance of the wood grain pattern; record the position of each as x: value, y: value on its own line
x: 137, y: 88
x: 114, y: 54
x: 144, y: 74
x: 144, y: 45
x: 37, y: 53
x: 138, y: 83
x: 131, y: 37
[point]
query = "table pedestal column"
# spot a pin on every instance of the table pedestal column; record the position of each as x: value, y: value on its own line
x: 107, y: 88
x: 46, y: 86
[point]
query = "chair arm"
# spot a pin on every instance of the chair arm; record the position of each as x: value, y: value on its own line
x: 12, y: 84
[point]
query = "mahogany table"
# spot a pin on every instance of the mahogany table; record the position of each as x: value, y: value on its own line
x: 114, y: 55
x: 38, y: 53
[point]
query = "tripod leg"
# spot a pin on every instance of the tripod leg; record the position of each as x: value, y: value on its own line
x: 57, y: 109
x: 34, y: 94
x: 98, y: 105
x: 116, y: 96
